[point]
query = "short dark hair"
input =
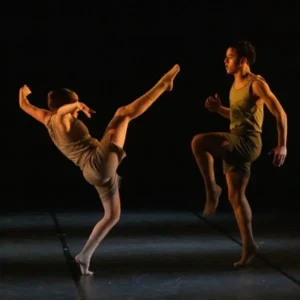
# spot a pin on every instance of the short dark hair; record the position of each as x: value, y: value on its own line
x: 60, y: 97
x: 245, y: 49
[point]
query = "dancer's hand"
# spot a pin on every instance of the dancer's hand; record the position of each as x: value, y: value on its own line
x: 25, y: 90
x: 280, y: 153
x: 213, y: 104
x: 85, y: 109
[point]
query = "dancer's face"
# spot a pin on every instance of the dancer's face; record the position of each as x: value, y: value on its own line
x: 232, y: 62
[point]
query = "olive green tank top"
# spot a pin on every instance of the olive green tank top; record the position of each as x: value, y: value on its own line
x: 77, y: 144
x: 246, y: 115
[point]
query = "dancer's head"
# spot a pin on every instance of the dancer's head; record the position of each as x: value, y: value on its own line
x: 60, y: 97
x: 239, y: 55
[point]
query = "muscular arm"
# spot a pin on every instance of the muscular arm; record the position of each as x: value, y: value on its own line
x: 224, y: 111
x: 262, y: 90
x: 41, y: 115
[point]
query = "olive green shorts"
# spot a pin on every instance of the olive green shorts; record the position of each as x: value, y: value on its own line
x: 241, y: 152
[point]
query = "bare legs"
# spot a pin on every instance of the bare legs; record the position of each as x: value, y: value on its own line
x: 204, y: 147
x: 119, y: 123
x: 118, y: 128
x: 112, y: 211
x: 237, y: 184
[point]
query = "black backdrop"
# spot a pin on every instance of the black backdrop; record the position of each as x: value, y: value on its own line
x: 113, y: 53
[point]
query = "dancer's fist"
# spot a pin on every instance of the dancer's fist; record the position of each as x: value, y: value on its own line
x: 25, y: 90
x: 213, y: 104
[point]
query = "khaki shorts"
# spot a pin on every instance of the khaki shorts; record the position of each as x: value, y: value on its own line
x: 101, y: 167
x: 241, y: 152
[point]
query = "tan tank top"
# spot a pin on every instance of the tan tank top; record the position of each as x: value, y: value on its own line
x: 246, y: 115
x: 77, y: 144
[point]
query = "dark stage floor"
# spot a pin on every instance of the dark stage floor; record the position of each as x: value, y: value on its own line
x: 148, y: 255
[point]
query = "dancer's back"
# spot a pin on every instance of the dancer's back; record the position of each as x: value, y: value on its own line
x: 76, y: 143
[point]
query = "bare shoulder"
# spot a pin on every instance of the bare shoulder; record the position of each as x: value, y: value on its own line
x: 260, y: 78
x: 48, y: 118
x: 64, y: 121
x: 262, y: 90
x: 260, y: 85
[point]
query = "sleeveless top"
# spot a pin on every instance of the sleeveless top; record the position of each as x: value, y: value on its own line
x: 246, y: 115
x: 77, y: 144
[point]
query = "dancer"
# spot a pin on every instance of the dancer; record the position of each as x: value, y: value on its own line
x: 243, y: 145
x: 98, y: 160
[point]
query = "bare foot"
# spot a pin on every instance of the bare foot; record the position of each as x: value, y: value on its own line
x: 247, y: 257
x: 169, y: 77
x: 212, y: 200
x: 83, y: 264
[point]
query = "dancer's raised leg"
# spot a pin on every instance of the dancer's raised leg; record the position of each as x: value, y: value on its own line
x: 119, y: 123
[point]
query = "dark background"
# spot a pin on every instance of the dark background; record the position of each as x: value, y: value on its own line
x: 111, y: 53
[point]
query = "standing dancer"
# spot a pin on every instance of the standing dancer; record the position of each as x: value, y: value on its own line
x: 242, y: 146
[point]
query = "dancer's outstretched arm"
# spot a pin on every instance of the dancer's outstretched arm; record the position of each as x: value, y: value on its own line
x: 42, y: 115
